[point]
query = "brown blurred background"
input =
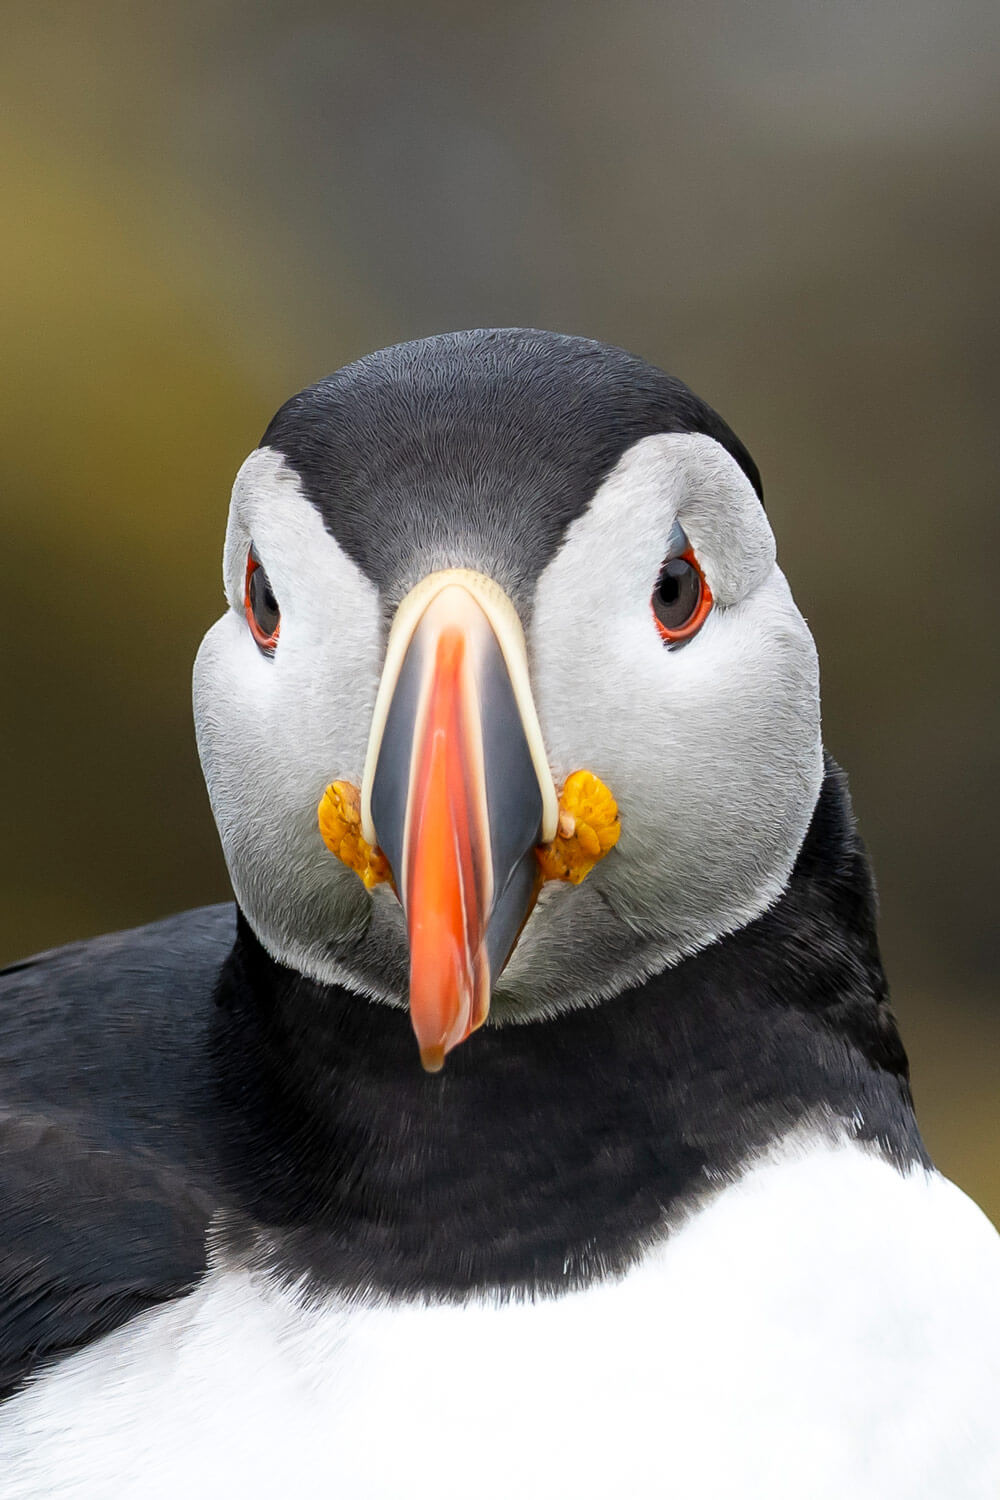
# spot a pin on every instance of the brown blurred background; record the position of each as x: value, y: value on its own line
x: 794, y: 206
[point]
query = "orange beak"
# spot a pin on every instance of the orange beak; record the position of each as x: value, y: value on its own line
x: 448, y: 881
x: 455, y: 801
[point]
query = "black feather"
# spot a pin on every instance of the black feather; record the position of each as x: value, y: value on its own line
x: 476, y: 449
x: 153, y: 1079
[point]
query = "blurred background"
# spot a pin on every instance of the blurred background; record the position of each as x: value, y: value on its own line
x: 793, y: 205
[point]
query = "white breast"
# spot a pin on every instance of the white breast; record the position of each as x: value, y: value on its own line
x: 825, y: 1328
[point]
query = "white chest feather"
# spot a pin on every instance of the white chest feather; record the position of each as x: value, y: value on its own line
x: 824, y: 1329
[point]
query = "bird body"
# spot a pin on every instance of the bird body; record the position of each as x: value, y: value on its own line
x: 658, y: 1220
x: 772, y: 1338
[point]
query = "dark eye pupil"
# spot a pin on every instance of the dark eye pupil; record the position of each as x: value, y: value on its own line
x: 263, y: 603
x: 678, y: 593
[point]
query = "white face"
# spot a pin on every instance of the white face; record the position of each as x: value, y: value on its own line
x: 712, y: 749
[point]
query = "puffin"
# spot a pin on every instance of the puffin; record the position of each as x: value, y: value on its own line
x: 535, y: 1121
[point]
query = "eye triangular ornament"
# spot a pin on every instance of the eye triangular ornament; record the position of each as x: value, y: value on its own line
x: 457, y: 808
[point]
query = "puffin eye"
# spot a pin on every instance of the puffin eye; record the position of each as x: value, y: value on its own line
x: 681, y: 599
x: 260, y: 606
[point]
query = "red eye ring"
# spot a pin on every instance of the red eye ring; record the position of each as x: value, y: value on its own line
x: 260, y: 606
x: 700, y: 605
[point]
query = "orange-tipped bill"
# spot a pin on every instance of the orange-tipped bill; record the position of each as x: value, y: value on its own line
x: 448, y: 879
x: 455, y: 800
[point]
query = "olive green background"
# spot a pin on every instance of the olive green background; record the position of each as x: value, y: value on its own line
x: 793, y: 206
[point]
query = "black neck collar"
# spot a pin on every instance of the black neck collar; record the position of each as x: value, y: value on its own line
x: 550, y: 1153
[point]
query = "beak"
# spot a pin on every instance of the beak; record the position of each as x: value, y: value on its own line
x: 457, y: 792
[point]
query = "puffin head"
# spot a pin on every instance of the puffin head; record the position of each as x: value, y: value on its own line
x: 493, y: 596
